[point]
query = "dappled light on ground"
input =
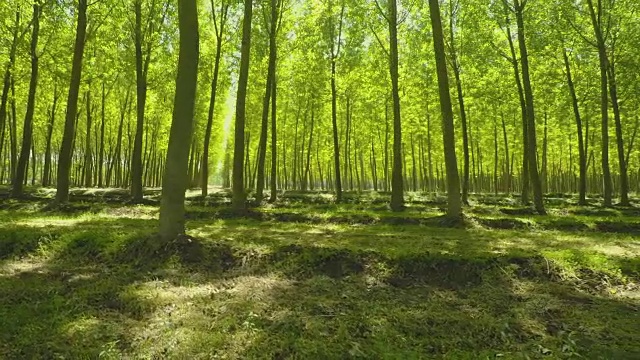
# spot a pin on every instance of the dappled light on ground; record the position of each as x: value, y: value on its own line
x: 89, y: 284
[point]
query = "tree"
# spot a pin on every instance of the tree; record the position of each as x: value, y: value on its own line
x: 64, y: 162
x: 454, y: 203
x: 27, y: 132
x: 175, y: 179
x: 219, y: 27
x: 596, y: 21
x: 271, y: 72
x: 531, y: 122
x: 239, y: 195
x: 581, y: 145
x: 455, y: 64
x: 397, y: 189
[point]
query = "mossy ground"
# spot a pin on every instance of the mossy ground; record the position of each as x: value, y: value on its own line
x: 307, y: 279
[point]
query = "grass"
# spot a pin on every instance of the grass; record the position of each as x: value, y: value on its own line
x: 318, y: 281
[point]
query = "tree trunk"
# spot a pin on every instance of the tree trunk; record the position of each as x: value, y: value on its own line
x: 100, y: 167
x: 613, y: 91
x: 239, y: 195
x: 454, y: 205
x: 274, y: 143
x: 142, y: 68
x: 87, y: 149
x: 46, y: 178
x: 7, y: 81
x: 531, y: 122
x: 308, y: 165
x: 265, y: 105
x: 175, y: 180
x: 27, y: 129
x: 463, y: 114
x: 397, y: 189
x: 596, y: 16
x: 219, y: 29
x: 64, y: 163
x: 507, y: 170
x: 523, y: 107
x: 334, y: 106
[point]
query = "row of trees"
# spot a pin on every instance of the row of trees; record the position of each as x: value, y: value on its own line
x: 349, y: 87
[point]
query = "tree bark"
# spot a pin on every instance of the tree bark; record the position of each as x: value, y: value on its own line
x: 397, y: 188
x: 334, y: 106
x: 175, y: 180
x: 454, y: 205
x: 531, y: 122
x: 265, y: 105
x: 66, y: 149
x: 596, y: 21
x: 239, y: 195
x: 582, y: 188
x: 219, y: 29
x: 27, y: 129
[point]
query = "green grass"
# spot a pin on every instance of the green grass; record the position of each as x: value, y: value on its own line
x: 328, y: 284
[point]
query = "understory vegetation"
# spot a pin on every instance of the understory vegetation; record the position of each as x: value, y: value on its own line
x: 306, y: 278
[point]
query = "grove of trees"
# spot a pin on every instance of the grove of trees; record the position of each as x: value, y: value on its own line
x: 525, y: 97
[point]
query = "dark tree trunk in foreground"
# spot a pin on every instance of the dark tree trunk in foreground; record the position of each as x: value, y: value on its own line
x: 239, y: 195
x: 27, y: 129
x: 175, y: 180
x: 66, y: 150
x: 454, y: 203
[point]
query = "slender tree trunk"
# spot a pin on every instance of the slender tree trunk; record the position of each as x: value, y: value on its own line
x: 463, y: 114
x: 87, y: 149
x: 454, y: 205
x: 545, y: 143
x: 495, y: 158
x: 334, y: 106
x: 624, y: 177
x: 523, y: 107
x: 46, y: 179
x: 14, y: 132
x: 27, y: 129
x: 308, y: 165
x: 142, y: 69
x: 6, y: 87
x: 100, y: 167
x: 175, y: 180
x: 596, y: 21
x: 265, y: 105
x: 507, y: 172
x: 239, y: 195
x: 219, y: 29
x: 64, y: 163
x: 531, y: 123
x: 274, y: 142
x: 397, y: 188
x: 582, y: 188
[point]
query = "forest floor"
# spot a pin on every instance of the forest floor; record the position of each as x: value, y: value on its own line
x: 305, y: 278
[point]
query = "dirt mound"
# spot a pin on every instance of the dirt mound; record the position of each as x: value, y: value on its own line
x: 505, y: 224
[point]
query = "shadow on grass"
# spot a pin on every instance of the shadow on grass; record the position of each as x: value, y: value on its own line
x: 105, y: 287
